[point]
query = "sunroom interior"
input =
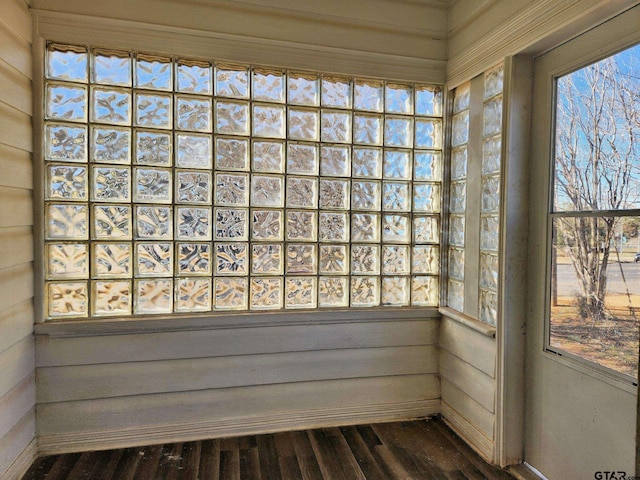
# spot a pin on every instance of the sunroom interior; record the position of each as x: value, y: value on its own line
x: 467, y: 337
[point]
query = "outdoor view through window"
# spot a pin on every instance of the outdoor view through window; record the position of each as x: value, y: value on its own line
x: 595, y: 265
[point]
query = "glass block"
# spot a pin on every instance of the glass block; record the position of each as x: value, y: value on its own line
x: 460, y: 128
x: 232, y: 81
x: 302, y: 192
x: 66, y: 102
x: 396, y: 228
x: 193, y: 294
x: 455, y: 295
x: 304, y: 124
x: 154, y: 259
x: 194, y: 77
x: 426, y: 197
x: 67, y: 222
x: 334, y: 227
x: 397, y: 164
x: 67, y: 299
x: 428, y: 133
x: 425, y: 259
x: 334, y: 259
x: 112, y: 222
x: 112, y: 67
x: 304, y: 89
x: 193, y: 223
x: 153, y: 110
x: 365, y: 227
x: 67, y: 260
x: 365, y: 259
x: 232, y: 117
x: 367, y: 129
x: 367, y: 162
x: 301, y: 259
x: 456, y: 230
x: 66, y: 182
x: 365, y: 195
x: 428, y: 100
x: 111, y: 184
x: 65, y: 62
x: 153, y: 296
x: 368, y: 95
x: 398, y: 132
x: 111, y: 260
x: 335, y: 161
x: 231, y: 224
x: 193, y: 113
x: 491, y: 153
x: 109, y: 298
x: 266, y: 293
x: 398, y: 98
x: 232, y: 189
x: 395, y: 259
x: 266, y: 259
x: 302, y: 159
x: 152, y: 185
x: 488, y: 307
x: 334, y: 194
x: 269, y: 121
x: 492, y: 116
x: 231, y: 259
x: 193, y: 187
x: 267, y: 191
x: 427, y: 166
x: 231, y: 293
x: 426, y: 229
x: 194, y: 151
x: 111, y: 145
x: 232, y: 153
x: 489, y: 269
x: 154, y: 72
x: 458, y: 197
x: 493, y: 80
x: 490, y: 194
x: 193, y: 259
x: 336, y: 92
x: 456, y: 263
x: 489, y: 233
x: 333, y: 291
x: 110, y: 105
x: 424, y: 291
x: 267, y: 225
x: 396, y: 197
x: 268, y: 85
x: 365, y: 291
x: 268, y: 157
x: 154, y: 223
x: 461, y: 97
x: 459, y: 163
x: 395, y: 291
x: 153, y: 148
x: 302, y: 226
x: 336, y: 126
x: 300, y: 292
x: 65, y: 142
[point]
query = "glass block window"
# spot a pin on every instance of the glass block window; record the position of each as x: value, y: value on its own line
x: 183, y: 185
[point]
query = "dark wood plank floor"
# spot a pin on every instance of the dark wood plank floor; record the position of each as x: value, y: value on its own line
x: 417, y: 450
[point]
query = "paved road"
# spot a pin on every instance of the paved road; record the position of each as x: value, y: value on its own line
x: 568, y: 283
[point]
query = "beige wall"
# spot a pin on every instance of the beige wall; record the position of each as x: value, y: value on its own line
x: 17, y: 386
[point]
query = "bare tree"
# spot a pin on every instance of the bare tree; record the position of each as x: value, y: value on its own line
x: 596, y: 168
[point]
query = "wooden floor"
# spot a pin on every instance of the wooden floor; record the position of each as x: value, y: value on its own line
x: 407, y: 450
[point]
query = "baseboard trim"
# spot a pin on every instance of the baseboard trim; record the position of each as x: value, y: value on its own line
x: 472, y: 436
x: 524, y: 471
x: 21, y: 464
x: 148, y: 435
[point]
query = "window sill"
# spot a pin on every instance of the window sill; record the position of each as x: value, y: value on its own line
x: 469, y: 322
